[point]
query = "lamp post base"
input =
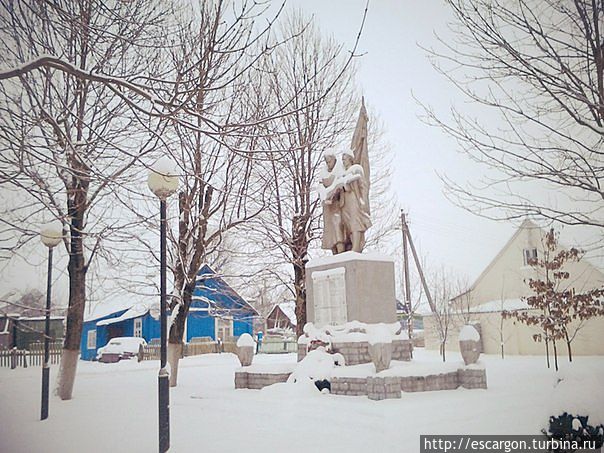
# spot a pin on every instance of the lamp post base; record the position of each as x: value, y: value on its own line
x: 164, y: 410
x: 45, y: 387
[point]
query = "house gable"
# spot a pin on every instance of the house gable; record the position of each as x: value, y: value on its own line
x: 213, y: 293
x: 507, y: 275
x: 282, y: 315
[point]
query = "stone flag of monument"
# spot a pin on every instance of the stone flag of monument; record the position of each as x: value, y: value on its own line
x: 360, y: 148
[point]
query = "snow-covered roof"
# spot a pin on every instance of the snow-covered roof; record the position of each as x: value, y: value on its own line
x: 348, y: 256
x: 4, y: 326
x: 500, y: 305
x: 134, y: 312
x: 39, y: 318
x: 212, y: 291
x: 105, y: 309
x: 493, y: 306
x: 289, y: 309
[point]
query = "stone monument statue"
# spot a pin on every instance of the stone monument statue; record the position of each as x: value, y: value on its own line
x: 348, y: 285
x: 344, y: 193
x: 333, y: 231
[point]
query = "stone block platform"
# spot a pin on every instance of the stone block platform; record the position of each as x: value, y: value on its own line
x: 256, y: 378
x: 472, y: 378
x: 389, y: 387
x: 357, y: 352
x: 381, y: 388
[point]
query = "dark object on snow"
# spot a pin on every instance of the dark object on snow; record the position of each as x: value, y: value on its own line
x: 323, y: 384
x: 109, y: 358
x: 561, y: 428
x: 140, y: 356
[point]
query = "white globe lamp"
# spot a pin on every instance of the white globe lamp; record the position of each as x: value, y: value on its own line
x: 163, y: 178
x: 51, y: 234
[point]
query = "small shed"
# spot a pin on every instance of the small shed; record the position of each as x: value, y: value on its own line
x: 282, y: 316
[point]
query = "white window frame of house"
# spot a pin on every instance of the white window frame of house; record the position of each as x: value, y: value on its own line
x: 529, y: 254
x: 138, y: 327
x: 220, y: 323
x: 91, y: 339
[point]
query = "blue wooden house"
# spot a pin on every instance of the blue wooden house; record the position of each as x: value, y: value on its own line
x: 217, y: 311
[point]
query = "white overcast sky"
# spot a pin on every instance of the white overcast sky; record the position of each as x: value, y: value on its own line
x: 392, y: 70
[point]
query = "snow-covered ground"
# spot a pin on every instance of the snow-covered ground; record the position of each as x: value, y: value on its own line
x: 115, y: 409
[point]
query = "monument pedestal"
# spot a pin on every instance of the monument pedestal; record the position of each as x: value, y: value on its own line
x: 350, y: 286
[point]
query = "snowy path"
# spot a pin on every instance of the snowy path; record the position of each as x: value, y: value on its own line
x: 115, y: 409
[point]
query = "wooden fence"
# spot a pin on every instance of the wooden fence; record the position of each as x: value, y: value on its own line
x: 152, y: 351
x: 34, y: 356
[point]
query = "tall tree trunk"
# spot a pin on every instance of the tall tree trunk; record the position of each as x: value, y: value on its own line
x: 75, y: 313
x: 300, y: 288
x: 177, y: 332
x: 547, y: 352
x: 555, y: 355
x: 501, y: 338
x: 299, y: 252
x: 570, y: 352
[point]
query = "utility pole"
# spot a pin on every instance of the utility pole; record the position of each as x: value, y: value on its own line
x: 407, y: 236
x: 407, y: 286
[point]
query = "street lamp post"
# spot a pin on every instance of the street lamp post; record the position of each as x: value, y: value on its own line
x: 50, y: 235
x: 163, y: 182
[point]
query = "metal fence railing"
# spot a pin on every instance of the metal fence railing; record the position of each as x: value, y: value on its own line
x: 278, y: 347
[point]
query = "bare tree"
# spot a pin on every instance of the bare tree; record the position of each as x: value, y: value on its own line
x: 313, y: 74
x: 502, y: 338
x: 215, y: 64
x: 442, y: 291
x: 66, y: 142
x: 535, y: 68
x: 462, y: 304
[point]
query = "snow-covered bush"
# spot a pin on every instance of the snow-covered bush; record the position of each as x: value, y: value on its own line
x: 317, y: 365
x: 574, y: 429
x: 577, y: 414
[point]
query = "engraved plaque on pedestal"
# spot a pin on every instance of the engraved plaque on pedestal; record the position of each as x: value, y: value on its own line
x: 329, y: 289
x: 350, y: 286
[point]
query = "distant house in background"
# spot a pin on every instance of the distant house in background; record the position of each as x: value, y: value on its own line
x: 282, y: 316
x: 401, y: 313
x: 22, y: 319
x: 502, y: 285
x: 217, y: 311
x: 136, y: 321
x: 21, y: 331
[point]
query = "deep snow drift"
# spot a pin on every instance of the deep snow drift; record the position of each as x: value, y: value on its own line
x: 115, y: 408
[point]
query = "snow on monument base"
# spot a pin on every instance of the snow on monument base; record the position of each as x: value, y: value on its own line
x: 350, y: 286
